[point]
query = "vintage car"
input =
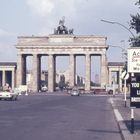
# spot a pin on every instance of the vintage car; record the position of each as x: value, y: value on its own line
x: 8, y: 95
x: 75, y: 91
x: 44, y: 86
x: 109, y: 89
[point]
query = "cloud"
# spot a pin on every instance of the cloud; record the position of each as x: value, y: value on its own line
x: 82, y: 15
x: 44, y: 8
x: 7, y: 48
x: 49, y: 12
x: 41, y: 7
x: 7, y: 51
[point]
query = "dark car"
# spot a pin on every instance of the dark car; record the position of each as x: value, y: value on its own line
x: 44, y: 86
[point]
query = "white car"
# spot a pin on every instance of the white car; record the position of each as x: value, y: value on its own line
x: 109, y: 89
x: 8, y: 95
x: 75, y: 92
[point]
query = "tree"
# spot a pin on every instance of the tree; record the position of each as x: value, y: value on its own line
x: 135, y: 24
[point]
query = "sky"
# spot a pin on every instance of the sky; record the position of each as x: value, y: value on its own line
x: 40, y: 17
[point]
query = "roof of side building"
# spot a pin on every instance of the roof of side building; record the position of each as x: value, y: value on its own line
x: 8, y: 64
x: 116, y: 63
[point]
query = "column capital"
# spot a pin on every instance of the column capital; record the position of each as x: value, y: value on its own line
x: 87, y: 54
x: 36, y: 54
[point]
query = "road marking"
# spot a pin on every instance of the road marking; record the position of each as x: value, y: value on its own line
x: 111, y: 101
x: 96, y: 95
x: 61, y: 94
x: 118, y: 115
x: 116, y: 112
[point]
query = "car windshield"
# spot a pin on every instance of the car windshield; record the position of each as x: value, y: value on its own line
x: 75, y: 89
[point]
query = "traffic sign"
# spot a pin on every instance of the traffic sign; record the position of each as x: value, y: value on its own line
x: 134, y: 60
x: 123, y: 74
x: 126, y: 76
x: 135, y: 92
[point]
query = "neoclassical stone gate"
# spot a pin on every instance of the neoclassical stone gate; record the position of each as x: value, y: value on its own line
x: 55, y: 45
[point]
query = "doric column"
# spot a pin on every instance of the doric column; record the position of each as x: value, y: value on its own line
x: 104, y: 74
x: 24, y: 69
x: 110, y: 78
x: 88, y: 72
x: 72, y: 70
x: 54, y: 63
x: 13, y: 79
x: 21, y: 70
x: 120, y: 80
x: 51, y: 70
x: 36, y: 72
x: 3, y: 78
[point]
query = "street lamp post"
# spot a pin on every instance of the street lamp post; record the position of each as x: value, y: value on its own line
x: 124, y: 51
x: 132, y: 109
x: 112, y: 22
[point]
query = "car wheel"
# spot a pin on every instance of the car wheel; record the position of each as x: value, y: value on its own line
x: 110, y: 92
x: 11, y: 98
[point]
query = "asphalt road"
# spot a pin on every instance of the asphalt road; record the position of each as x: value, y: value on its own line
x: 47, y: 117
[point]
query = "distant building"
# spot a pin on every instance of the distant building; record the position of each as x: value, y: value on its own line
x: 8, y: 74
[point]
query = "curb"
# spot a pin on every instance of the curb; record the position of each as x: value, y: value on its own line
x: 125, y: 133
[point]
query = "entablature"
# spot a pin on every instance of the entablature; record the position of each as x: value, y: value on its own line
x: 61, y: 40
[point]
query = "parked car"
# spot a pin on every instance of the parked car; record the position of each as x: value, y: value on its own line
x: 8, y: 95
x: 109, y: 89
x: 75, y: 92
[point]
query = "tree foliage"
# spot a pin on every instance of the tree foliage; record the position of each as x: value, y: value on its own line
x: 135, y: 24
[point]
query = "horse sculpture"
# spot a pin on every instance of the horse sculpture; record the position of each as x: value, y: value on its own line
x: 62, y: 29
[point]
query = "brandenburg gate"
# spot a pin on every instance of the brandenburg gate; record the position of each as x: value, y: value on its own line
x: 63, y: 43
x: 55, y: 45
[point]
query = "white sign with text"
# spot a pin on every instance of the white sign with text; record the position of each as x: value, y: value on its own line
x: 134, y: 60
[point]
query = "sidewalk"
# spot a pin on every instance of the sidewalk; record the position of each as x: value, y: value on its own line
x: 122, y: 114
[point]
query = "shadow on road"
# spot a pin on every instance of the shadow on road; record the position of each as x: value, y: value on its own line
x: 103, y: 131
x: 136, y: 125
